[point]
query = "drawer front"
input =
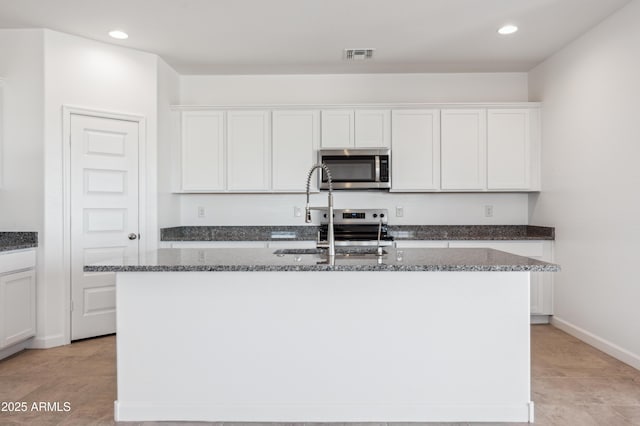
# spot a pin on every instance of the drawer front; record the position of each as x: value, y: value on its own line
x: 17, y: 260
x: 219, y: 244
x: 400, y: 244
x: 521, y: 248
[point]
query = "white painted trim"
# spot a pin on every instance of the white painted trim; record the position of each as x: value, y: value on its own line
x: 597, y: 342
x: 540, y: 318
x: 143, y: 209
x: 363, y: 106
x: 49, y: 341
x: 322, y: 413
x: 14, y: 349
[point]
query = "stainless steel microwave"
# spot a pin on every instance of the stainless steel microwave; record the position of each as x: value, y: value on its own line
x: 356, y: 168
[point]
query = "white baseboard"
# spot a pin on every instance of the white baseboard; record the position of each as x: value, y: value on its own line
x: 320, y: 413
x: 14, y: 349
x: 598, y: 342
x: 46, y: 342
x: 540, y: 319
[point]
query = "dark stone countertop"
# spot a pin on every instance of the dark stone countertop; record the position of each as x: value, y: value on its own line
x: 266, y: 260
x: 18, y: 240
x: 400, y: 232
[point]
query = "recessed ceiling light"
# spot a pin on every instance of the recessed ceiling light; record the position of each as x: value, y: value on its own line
x: 507, y: 29
x: 119, y: 34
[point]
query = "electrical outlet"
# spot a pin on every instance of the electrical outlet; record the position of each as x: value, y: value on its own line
x: 297, y: 211
x: 399, y: 211
x: 201, y: 212
x: 488, y: 211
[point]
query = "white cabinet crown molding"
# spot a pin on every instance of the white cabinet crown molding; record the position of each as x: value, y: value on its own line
x: 406, y: 105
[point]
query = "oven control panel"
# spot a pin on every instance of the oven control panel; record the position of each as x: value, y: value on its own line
x: 362, y: 216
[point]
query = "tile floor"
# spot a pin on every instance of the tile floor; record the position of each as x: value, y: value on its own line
x: 573, y: 384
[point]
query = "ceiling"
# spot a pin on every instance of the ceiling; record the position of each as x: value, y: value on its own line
x: 309, y: 36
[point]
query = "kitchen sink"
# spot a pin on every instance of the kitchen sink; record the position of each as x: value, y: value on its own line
x: 340, y: 251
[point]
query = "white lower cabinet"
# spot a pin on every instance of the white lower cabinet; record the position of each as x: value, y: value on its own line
x: 401, y: 244
x: 239, y: 244
x: 541, y: 282
x: 17, y: 297
x: 218, y: 244
x: 291, y: 244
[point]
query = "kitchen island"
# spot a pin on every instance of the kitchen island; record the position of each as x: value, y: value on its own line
x: 249, y: 335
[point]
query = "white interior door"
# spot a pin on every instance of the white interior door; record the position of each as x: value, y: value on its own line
x: 104, y: 215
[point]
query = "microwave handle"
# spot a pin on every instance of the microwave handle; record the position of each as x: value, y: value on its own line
x: 377, y: 165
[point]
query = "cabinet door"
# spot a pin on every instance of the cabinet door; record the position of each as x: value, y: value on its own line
x: 337, y: 128
x: 248, y: 147
x: 402, y: 244
x: 18, y: 307
x: 373, y: 128
x: 508, y: 149
x: 541, y: 283
x: 415, y: 155
x: 218, y: 244
x: 464, y: 141
x: 295, y: 140
x: 203, y: 162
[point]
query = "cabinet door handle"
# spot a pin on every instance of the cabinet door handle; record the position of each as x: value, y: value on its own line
x: 132, y: 236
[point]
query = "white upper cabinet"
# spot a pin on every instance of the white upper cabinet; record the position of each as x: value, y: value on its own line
x: 203, y: 159
x: 452, y: 149
x: 463, y: 149
x: 347, y: 128
x: 415, y: 154
x: 248, y: 147
x: 296, y: 134
x: 510, y: 154
x: 373, y: 128
x: 338, y: 128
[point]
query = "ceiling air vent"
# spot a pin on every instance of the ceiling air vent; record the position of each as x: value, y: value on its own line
x: 358, y: 54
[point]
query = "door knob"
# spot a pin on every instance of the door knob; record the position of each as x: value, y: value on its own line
x: 132, y: 236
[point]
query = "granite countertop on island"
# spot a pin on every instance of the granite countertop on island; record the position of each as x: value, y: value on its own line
x: 18, y: 240
x: 266, y: 260
x: 399, y: 232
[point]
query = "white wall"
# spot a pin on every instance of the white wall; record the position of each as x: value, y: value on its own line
x: 432, y: 209
x: 21, y: 157
x: 591, y: 181
x: 268, y: 209
x: 168, y: 94
x: 99, y: 76
x: 352, y: 88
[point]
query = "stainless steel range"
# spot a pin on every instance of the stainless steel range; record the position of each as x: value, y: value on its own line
x: 363, y: 227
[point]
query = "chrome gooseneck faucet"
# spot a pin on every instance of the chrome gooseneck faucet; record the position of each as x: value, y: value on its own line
x: 331, y: 241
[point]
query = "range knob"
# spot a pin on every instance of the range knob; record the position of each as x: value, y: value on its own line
x: 376, y: 215
x: 381, y: 214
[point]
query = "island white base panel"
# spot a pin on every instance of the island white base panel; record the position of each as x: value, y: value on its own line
x: 323, y: 346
